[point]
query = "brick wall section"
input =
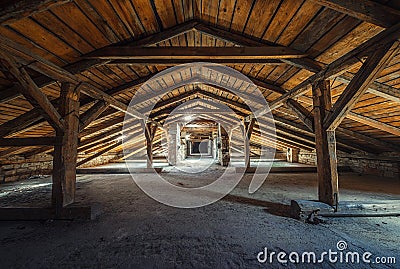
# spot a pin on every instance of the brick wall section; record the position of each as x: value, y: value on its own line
x: 384, y: 165
x: 15, y: 168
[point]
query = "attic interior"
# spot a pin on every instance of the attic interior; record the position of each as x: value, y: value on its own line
x: 296, y: 99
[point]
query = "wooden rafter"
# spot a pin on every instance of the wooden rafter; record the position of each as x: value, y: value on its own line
x: 18, y: 9
x: 359, y: 84
x: 364, y: 10
x: 338, y: 66
x: 30, y: 90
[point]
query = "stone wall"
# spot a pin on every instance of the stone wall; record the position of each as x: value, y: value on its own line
x: 384, y: 165
x: 15, y: 168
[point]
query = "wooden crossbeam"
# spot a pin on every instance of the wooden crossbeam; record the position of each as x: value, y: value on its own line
x: 364, y: 10
x: 28, y: 141
x: 177, y: 61
x: 45, y: 67
x: 195, y: 53
x: 359, y: 84
x: 12, y: 93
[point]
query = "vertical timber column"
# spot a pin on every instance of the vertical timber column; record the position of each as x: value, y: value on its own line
x: 65, y: 154
x: 293, y: 155
x: 219, y: 145
x: 173, y: 143
x: 325, y: 145
x: 150, y: 132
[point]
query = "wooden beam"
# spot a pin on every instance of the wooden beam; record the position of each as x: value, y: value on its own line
x: 376, y: 88
x: 12, y: 93
x: 28, y: 141
x: 375, y: 142
x: 325, y: 146
x: 365, y: 10
x: 45, y: 67
x: 65, y: 154
x: 195, y: 53
x: 94, y: 156
x: 173, y: 61
x: 98, y: 94
x: 304, y: 115
x: 30, y: 91
x: 374, y: 123
x: 92, y: 113
x: 242, y: 40
x: 368, y: 72
x: 337, y: 67
x: 12, y: 11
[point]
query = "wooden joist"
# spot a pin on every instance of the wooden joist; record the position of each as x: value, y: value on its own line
x: 359, y: 84
x: 365, y: 10
x: 195, y: 53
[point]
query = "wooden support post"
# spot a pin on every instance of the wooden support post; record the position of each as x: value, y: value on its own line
x: 150, y: 132
x: 325, y: 145
x: 292, y: 155
x: 248, y: 130
x: 65, y: 154
x: 173, y: 143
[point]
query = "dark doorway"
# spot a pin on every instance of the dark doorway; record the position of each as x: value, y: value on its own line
x: 196, y: 147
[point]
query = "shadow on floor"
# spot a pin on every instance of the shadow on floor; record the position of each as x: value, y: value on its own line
x: 277, y: 209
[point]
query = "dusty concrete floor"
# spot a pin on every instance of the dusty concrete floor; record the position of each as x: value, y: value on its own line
x: 134, y: 231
